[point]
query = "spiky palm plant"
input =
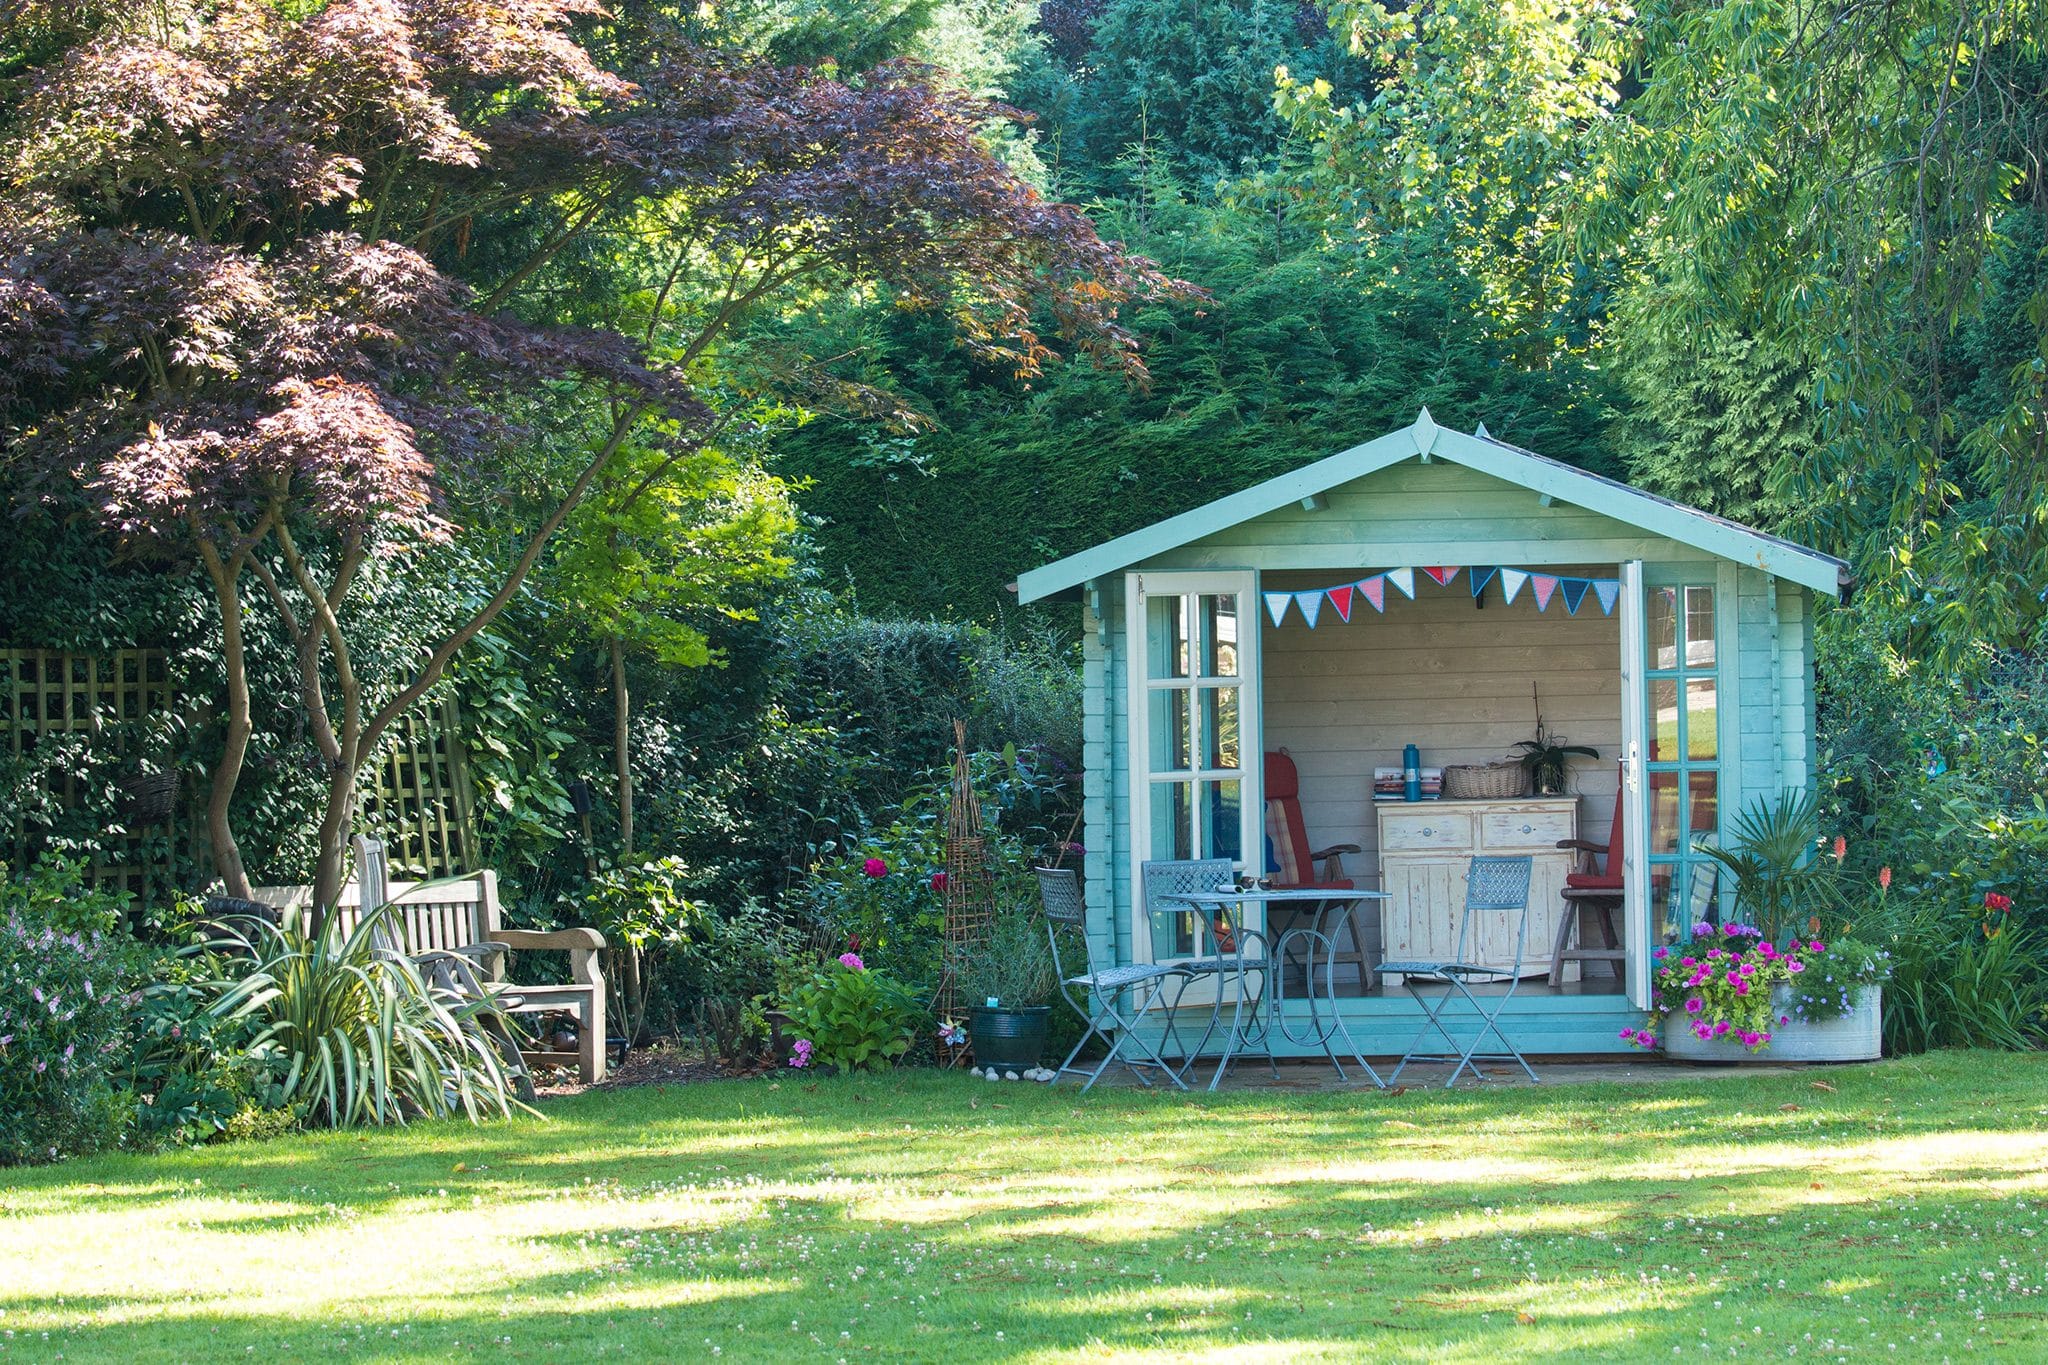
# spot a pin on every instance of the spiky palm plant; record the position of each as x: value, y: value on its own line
x: 1778, y: 881
x: 360, y: 1034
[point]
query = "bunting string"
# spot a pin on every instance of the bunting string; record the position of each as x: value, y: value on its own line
x: 1543, y: 589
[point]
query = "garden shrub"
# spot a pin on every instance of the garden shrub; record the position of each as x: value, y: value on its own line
x: 66, y: 981
x: 198, y: 1074
x: 850, y: 1016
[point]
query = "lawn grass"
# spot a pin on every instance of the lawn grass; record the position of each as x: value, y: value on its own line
x: 1891, y: 1211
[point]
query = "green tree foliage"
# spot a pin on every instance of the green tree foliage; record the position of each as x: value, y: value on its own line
x: 1194, y: 79
x: 1862, y: 187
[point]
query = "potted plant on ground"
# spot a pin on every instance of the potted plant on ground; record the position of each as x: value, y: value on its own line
x: 1771, y: 980
x: 1005, y: 980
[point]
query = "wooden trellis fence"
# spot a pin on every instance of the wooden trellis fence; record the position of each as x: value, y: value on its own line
x: 419, y: 796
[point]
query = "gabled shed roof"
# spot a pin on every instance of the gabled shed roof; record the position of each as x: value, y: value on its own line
x: 1561, y: 482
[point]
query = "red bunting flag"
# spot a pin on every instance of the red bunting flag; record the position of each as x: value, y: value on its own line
x: 1442, y: 573
x: 1340, y: 598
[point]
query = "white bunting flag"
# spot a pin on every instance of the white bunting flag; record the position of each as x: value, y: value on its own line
x: 1404, y: 579
x: 1311, y: 604
x: 1276, y: 605
x: 1511, y: 581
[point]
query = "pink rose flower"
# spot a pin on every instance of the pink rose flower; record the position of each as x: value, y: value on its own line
x: 874, y: 867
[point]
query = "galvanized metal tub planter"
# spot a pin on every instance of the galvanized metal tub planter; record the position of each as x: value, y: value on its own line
x: 1857, y: 1036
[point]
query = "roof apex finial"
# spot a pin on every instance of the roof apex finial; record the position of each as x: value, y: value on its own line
x: 1482, y: 433
x: 1425, y: 430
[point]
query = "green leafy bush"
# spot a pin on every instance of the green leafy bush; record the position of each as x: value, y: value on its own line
x: 198, y: 1074
x: 851, y: 1016
x: 66, y: 981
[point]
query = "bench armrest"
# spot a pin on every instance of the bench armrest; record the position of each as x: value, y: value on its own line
x: 531, y: 940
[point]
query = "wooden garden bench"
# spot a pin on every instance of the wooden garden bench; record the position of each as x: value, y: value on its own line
x: 459, y: 917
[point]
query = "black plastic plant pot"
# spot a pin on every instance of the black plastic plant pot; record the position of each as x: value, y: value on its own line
x: 1007, y: 1037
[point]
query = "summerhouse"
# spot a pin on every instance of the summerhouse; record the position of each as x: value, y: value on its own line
x: 1267, y: 660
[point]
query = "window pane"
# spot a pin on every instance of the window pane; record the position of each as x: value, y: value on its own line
x: 1166, y: 637
x: 1660, y: 902
x: 1703, y: 817
x: 1699, y: 627
x: 1663, y: 627
x: 1702, y: 906
x: 1663, y: 812
x: 1172, y: 740
x: 1222, y: 830
x: 1172, y: 825
x: 1663, y: 720
x: 1219, y: 727
x: 1700, y: 719
x: 1219, y: 635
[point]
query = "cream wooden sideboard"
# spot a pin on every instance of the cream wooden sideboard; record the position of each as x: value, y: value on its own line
x: 1425, y: 847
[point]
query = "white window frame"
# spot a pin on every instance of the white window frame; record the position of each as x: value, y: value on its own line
x: 1244, y: 583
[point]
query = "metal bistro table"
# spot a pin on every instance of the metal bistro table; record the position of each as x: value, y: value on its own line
x: 1255, y: 1015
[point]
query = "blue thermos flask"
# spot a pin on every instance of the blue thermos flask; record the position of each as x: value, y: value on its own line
x: 1411, y: 773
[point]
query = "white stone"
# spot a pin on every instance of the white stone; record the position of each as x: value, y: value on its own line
x: 990, y: 1075
x: 1009, y: 1075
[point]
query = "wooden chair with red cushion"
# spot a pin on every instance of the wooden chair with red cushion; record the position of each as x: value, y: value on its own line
x: 1591, y: 896
x: 1290, y: 865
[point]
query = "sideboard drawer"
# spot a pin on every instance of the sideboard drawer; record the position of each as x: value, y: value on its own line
x: 1407, y: 830
x: 1524, y: 831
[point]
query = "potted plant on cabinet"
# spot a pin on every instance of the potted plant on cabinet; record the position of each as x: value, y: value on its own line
x: 1546, y: 755
x: 1005, y: 980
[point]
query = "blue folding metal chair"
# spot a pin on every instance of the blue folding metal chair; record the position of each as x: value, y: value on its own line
x: 1493, y: 886
x: 1219, y: 945
x: 1108, y: 993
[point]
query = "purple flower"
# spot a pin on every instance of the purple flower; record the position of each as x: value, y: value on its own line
x: 800, y: 1053
x: 851, y: 960
x: 1695, y: 1005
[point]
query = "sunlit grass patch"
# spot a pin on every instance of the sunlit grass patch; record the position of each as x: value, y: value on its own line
x: 916, y: 1217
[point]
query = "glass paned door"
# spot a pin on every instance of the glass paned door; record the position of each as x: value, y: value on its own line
x: 1682, y: 685
x: 1194, y: 708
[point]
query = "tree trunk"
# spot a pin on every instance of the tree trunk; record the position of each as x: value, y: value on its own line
x: 622, y: 747
x: 227, y: 772
x: 335, y: 820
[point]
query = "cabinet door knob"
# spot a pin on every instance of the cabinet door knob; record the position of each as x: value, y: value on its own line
x: 1528, y: 829
x: 1427, y: 831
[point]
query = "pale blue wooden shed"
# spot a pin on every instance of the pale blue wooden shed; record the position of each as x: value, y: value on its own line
x: 1434, y: 587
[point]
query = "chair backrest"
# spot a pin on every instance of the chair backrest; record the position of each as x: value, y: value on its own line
x: 1498, y: 886
x: 1059, y: 891
x: 1167, y: 877
x: 1287, y: 848
x: 445, y: 914
x: 1701, y: 903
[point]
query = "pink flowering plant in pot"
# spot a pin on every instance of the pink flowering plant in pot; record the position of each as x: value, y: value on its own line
x: 1720, y: 986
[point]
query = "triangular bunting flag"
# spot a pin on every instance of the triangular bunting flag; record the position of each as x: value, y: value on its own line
x: 1375, y: 590
x: 1609, y: 591
x: 1311, y: 604
x: 1546, y: 588
x: 1276, y: 605
x: 1479, y: 578
x: 1404, y: 579
x: 1574, y: 592
x: 1340, y: 598
x: 1443, y: 573
x: 1511, y: 581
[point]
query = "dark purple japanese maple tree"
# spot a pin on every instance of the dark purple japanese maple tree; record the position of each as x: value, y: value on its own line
x: 231, y: 318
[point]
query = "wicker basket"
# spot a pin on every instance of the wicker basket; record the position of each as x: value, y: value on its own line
x: 1485, y: 781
